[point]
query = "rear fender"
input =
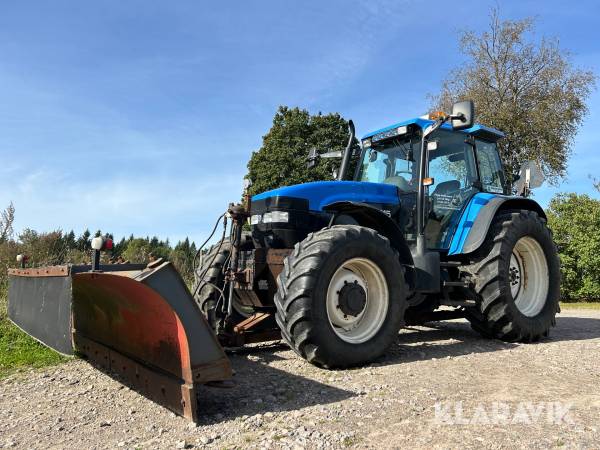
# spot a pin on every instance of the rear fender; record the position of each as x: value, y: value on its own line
x: 478, y: 216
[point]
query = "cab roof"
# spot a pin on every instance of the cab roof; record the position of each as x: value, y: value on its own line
x: 476, y: 130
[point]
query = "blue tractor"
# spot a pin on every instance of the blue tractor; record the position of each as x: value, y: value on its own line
x: 426, y: 230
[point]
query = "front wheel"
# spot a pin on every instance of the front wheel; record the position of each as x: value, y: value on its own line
x: 517, y: 278
x: 341, y: 296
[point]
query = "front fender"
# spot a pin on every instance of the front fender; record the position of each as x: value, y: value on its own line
x: 368, y: 216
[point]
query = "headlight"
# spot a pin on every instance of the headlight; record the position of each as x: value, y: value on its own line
x: 255, y: 219
x: 276, y: 217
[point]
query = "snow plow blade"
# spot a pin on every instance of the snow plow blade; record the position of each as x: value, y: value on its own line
x: 139, y: 322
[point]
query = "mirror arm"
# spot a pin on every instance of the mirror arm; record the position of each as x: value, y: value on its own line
x: 434, y: 126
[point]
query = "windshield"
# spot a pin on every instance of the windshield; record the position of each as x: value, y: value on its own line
x: 393, y: 162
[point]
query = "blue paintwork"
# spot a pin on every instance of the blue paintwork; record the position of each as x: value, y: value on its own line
x: 423, y: 123
x: 467, y: 219
x: 322, y: 193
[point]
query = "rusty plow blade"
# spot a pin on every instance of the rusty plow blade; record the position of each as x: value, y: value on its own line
x: 140, y: 323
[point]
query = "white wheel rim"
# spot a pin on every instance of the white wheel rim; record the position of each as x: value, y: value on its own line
x: 528, y: 276
x: 362, y: 327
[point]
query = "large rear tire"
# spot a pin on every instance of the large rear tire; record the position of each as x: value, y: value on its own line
x: 208, y: 294
x: 341, y: 296
x: 516, y: 274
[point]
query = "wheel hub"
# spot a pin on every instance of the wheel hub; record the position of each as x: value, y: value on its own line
x: 352, y: 299
x: 357, y: 300
x: 514, y: 275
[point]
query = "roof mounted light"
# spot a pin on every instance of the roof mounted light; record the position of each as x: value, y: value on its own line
x: 393, y: 132
x: 436, y: 115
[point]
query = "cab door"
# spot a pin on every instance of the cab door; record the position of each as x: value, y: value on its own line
x: 452, y: 168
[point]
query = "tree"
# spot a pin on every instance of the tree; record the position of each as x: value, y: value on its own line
x: 182, y: 257
x: 7, y: 218
x: 83, y: 241
x: 43, y: 248
x: 530, y: 90
x: 137, y: 250
x: 575, y: 221
x: 282, y: 158
x: 70, y: 240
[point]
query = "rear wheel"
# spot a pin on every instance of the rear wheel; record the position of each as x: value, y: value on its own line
x: 209, y: 289
x: 341, y: 296
x: 517, y: 279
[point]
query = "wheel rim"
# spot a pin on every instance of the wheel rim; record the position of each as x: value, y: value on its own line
x: 528, y: 276
x: 354, y: 318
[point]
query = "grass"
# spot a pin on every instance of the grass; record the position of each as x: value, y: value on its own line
x: 580, y: 305
x: 18, y: 350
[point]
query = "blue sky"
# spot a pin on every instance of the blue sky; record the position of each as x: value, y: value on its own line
x: 139, y: 117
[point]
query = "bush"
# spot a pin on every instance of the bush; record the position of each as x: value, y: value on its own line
x: 575, y: 221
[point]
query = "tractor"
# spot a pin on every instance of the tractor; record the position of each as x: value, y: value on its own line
x: 428, y: 221
x: 425, y: 229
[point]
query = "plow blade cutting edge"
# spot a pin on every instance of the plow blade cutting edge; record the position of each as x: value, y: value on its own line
x: 138, y: 322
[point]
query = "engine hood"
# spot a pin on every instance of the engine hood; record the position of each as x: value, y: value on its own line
x: 319, y: 194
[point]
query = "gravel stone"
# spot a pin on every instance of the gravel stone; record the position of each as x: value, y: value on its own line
x: 279, y: 401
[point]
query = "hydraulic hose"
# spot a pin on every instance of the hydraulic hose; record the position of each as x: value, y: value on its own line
x: 200, y: 279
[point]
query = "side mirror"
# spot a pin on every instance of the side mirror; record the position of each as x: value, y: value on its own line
x: 313, y: 157
x: 530, y: 177
x: 463, y: 115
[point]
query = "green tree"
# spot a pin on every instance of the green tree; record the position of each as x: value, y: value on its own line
x: 159, y: 248
x: 7, y: 217
x: 70, y: 241
x: 575, y: 221
x: 182, y: 257
x: 528, y: 89
x: 83, y: 241
x: 137, y: 250
x: 43, y: 249
x: 282, y: 158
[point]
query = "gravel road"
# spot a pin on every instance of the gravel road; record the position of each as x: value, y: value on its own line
x: 438, y: 387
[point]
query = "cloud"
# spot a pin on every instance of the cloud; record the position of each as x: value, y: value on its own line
x: 139, y: 204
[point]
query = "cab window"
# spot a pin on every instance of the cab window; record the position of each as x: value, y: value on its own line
x: 490, y: 167
x: 393, y: 162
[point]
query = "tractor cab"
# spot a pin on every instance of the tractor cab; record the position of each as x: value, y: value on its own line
x: 459, y: 164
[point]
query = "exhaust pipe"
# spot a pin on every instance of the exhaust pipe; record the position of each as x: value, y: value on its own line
x: 347, y: 152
